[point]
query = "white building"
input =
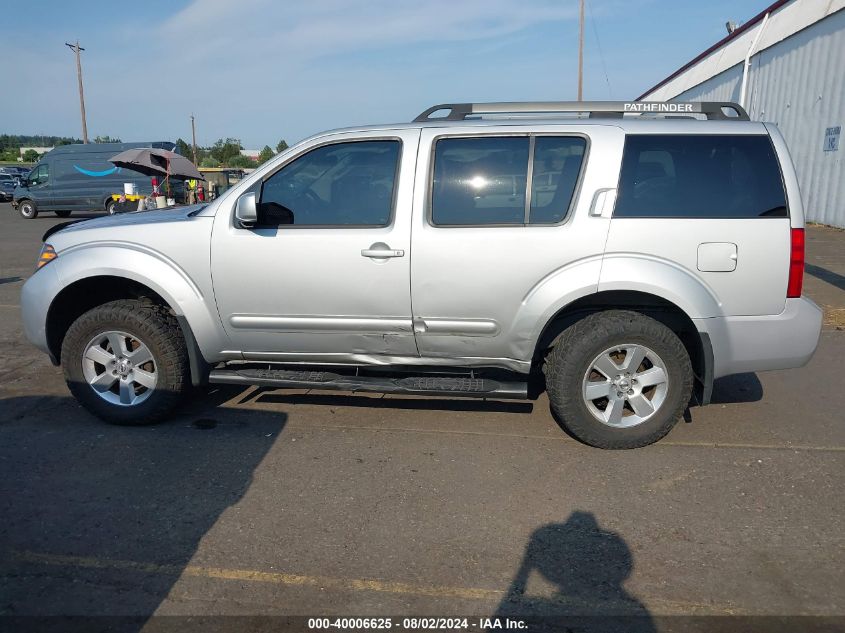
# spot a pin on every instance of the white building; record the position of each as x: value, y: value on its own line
x: 252, y: 154
x: 38, y: 150
x: 787, y: 65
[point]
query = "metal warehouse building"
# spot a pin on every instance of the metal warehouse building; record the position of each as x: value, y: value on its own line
x: 786, y: 65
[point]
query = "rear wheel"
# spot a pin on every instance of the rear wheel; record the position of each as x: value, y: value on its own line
x: 618, y: 379
x: 63, y: 214
x: 27, y: 209
x: 126, y: 361
x: 110, y: 206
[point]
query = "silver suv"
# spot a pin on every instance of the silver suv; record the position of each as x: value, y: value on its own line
x: 620, y: 255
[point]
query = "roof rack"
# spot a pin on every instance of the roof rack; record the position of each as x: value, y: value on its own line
x: 714, y: 110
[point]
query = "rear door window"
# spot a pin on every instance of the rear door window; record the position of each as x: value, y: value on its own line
x: 700, y: 176
x: 484, y: 181
x: 557, y: 165
x: 479, y: 181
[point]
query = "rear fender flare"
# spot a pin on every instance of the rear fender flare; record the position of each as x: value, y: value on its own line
x: 662, y: 278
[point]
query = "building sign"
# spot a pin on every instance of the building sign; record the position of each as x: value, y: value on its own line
x: 831, y: 139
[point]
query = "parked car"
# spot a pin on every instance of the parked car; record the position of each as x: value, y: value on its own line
x: 649, y: 257
x: 80, y: 177
x: 7, y: 187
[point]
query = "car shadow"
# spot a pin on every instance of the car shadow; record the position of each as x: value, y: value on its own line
x: 9, y: 280
x: 75, y: 215
x: 572, y: 577
x: 403, y: 403
x: 834, y: 279
x: 737, y: 389
x: 102, y: 520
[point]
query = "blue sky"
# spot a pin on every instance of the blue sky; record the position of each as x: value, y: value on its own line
x: 261, y: 70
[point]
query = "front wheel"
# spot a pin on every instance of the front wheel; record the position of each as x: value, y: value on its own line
x: 27, y: 209
x: 126, y: 361
x: 110, y: 207
x: 618, y: 379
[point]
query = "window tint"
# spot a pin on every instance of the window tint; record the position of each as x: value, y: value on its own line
x: 39, y: 175
x: 557, y: 163
x: 700, y: 177
x: 479, y: 181
x: 339, y: 184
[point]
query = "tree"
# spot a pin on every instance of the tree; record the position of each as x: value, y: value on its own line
x: 208, y: 161
x: 282, y: 146
x: 30, y: 156
x: 184, y: 149
x: 224, y: 151
x: 241, y: 161
x: 106, y: 139
x: 265, y: 154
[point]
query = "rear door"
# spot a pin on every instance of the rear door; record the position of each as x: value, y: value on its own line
x: 499, y: 212
x: 713, y: 204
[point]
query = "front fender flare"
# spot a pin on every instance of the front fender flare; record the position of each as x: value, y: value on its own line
x: 190, y: 301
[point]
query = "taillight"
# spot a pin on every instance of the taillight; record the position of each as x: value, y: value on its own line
x: 796, y: 264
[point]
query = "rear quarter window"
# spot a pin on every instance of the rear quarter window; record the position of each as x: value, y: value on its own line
x: 700, y: 176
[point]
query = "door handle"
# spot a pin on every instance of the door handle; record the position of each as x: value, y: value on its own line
x: 380, y: 250
x: 603, y: 203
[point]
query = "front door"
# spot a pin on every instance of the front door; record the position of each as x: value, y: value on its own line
x: 40, y: 187
x: 324, y: 274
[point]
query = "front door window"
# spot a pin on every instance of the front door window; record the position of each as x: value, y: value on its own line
x: 40, y: 175
x: 342, y: 184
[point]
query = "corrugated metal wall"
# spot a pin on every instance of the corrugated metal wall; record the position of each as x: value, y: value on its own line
x: 799, y: 84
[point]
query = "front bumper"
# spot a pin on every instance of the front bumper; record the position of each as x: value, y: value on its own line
x: 36, y: 296
x: 761, y: 343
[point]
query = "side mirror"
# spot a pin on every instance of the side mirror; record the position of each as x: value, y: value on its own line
x: 246, y: 211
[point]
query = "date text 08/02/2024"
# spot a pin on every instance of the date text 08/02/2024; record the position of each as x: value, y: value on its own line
x: 415, y: 624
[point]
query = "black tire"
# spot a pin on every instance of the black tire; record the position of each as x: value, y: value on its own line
x: 571, y: 358
x: 63, y: 214
x: 28, y: 209
x: 110, y: 206
x: 160, y: 332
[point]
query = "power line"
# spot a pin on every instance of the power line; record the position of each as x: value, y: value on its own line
x: 581, y: 52
x: 601, y: 54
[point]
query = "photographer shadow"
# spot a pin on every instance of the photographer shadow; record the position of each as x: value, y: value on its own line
x: 586, y: 567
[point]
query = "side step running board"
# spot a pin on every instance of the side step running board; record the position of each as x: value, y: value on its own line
x: 419, y: 385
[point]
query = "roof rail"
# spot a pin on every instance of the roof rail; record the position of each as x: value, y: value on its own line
x: 714, y: 110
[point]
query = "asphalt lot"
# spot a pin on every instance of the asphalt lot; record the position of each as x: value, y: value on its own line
x: 305, y: 503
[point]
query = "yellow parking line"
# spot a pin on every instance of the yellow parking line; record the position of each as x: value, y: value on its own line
x: 353, y: 584
x: 279, y: 578
x: 563, y: 438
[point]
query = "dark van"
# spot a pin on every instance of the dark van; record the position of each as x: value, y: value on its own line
x: 80, y: 178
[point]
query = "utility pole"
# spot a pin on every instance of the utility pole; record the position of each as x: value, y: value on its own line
x: 194, y: 137
x: 76, y: 49
x: 581, y: 53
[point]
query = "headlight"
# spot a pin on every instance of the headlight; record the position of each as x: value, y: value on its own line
x: 48, y: 254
